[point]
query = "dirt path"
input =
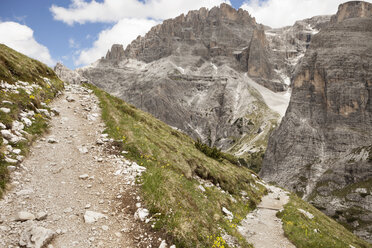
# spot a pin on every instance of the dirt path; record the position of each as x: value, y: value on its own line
x: 59, y: 182
x: 261, y: 227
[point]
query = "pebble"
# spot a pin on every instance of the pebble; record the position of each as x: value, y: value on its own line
x: 84, y: 176
x: 23, y: 216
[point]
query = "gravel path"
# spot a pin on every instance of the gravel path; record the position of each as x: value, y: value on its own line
x: 261, y: 227
x: 66, y: 175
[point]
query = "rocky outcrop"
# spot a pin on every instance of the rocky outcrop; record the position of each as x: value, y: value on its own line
x: 323, y: 148
x: 116, y: 53
x: 68, y: 75
x: 289, y: 44
x: 223, y: 35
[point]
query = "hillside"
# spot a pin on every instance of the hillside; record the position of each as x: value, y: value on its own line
x: 27, y: 86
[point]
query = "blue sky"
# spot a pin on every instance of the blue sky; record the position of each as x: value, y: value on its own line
x: 77, y: 32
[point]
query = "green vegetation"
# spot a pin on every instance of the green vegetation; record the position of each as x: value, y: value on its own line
x: 320, y: 231
x: 170, y: 186
x: 15, y: 67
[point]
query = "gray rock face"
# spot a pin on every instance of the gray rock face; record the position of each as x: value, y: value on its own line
x: 289, y: 44
x: 116, y: 53
x: 68, y: 75
x: 209, y: 102
x: 221, y: 34
x: 323, y: 147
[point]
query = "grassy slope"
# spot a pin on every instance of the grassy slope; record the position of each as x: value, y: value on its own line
x: 18, y: 67
x: 300, y: 229
x: 192, y: 218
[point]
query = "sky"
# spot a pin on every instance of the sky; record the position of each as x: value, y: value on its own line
x: 78, y: 32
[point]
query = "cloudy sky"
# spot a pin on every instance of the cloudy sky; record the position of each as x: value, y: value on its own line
x: 78, y: 32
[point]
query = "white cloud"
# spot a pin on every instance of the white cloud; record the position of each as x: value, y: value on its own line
x: 20, y: 38
x: 73, y: 44
x: 279, y: 13
x: 123, y: 32
x: 81, y: 11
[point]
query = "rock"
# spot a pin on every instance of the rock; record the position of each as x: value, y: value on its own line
x: 84, y: 176
x: 36, y: 237
x: 163, y: 244
x: 2, y: 126
x: 17, y: 151
x: 24, y: 216
x: 83, y: 150
x: 105, y: 228
x: 55, y: 111
x: 68, y: 75
x: 201, y: 188
x: 91, y: 217
x: 361, y: 191
x: 141, y: 214
x: 228, y: 214
x: 11, y: 168
x: 41, y: 216
x: 17, y: 126
x: 10, y: 160
x: 52, y: 140
x: 307, y: 214
x: 27, y: 121
x: 70, y: 99
x: 5, y: 110
x: 7, y: 134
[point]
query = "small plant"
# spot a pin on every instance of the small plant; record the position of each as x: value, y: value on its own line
x: 212, y: 152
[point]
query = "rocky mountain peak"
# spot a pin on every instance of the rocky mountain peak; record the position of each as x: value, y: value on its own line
x: 68, y: 75
x: 352, y: 9
x: 116, y: 52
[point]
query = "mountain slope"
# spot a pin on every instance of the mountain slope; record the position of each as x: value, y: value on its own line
x: 26, y: 86
x: 322, y: 148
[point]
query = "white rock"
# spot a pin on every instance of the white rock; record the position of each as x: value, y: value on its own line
x: 27, y: 121
x: 2, y: 126
x: 17, y: 151
x: 5, y: 110
x: 163, y: 244
x: 41, y: 216
x: 52, y: 140
x: 83, y: 150
x: 91, y: 217
x: 172, y: 246
x: 307, y: 214
x: 10, y: 160
x: 361, y: 190
x: 201, y: 188
x: 105, y: 228
x: 84, y: 176
x: 7, y: 134
x: 23, y: 216
x: 11, y: 168
x: 17, y: 126
x: 36, y: 237
x: 228, y: 214
x: 70, y: 99
x: 141, y: 214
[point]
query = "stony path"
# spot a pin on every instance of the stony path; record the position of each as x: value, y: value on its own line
x: 69, y: 180
x: 261, y: 227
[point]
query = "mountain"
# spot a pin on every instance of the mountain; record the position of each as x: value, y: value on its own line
x: 68, y: 75
x: 323, y: 149
x: 198, y: 73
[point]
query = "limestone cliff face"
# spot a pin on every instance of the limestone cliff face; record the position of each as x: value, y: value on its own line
x: 67, y: 75
x: 222, y: 34
x: 323, y: 147
x: 116, y: 53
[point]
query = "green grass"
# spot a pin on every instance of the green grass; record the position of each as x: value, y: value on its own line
x: 16, y: 67
x: 191, y: 217
x: 300, y: 230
